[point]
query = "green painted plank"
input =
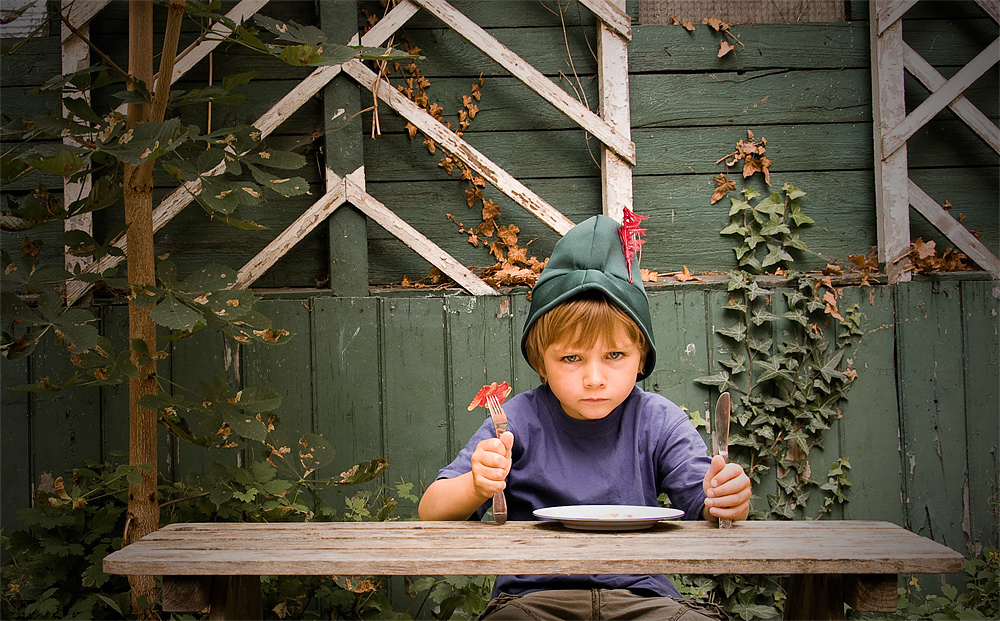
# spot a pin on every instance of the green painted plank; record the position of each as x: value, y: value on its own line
x: 195, y: 360
x: 525, y: 378
x: 115, y: 399
x: 981, y: 331
x: 413, y: 360
x: 480, y: 347
x: 929, y: 352
x: 347, y: 385
x: 65, y: 425
x: 15, y: 444
x: 286, y: 368
x: 681, y: 348
x: 677, y: 150
x: 343, y: 153
x: 869, y: 434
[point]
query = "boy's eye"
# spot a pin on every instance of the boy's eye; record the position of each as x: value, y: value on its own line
x: 615, y: 355
x: 570, y: 358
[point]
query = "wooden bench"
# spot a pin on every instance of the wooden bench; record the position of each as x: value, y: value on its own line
x: 830, y: 562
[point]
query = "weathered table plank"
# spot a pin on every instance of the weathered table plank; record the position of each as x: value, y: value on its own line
x: 402, y: 548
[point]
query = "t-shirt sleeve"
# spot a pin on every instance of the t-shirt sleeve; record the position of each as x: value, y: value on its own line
x: 684, y: 460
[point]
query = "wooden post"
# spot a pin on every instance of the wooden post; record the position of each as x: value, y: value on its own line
x: 612, y: 69
x: 143, y: 510
x: 888, y: 109
x: 343, y: 153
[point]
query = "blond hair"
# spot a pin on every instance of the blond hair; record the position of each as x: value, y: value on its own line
x: 582, y: 321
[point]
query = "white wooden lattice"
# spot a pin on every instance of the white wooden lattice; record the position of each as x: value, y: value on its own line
x: 611, y: 127
x: 894, y: 191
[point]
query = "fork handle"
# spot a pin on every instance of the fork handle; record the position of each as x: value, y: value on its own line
x: 499, y: 508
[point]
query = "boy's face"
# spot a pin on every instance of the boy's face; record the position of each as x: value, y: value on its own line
x: 590, y: 383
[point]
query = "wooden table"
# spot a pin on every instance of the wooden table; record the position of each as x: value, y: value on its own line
x: 830, y: 562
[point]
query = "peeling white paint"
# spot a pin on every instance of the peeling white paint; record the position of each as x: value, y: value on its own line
x: 690, y: 349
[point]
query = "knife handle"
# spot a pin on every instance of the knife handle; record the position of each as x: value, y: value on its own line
x: 499, y: 508
x: 725, y: 523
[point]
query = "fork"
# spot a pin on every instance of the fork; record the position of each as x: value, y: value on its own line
x: 500, y: 424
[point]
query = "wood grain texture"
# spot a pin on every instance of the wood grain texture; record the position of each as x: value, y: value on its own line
x: 421, y: 548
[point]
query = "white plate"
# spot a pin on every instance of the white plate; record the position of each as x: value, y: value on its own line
x: 608, y: 517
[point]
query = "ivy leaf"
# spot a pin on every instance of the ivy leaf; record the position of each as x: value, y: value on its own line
x: 772, y: 205
x: 776, y: 254
x: 775, y: 226
x: 720, y: 379
x: 792, y: 192
x: 828, y: 368
x: 736, y: 364
x: 736, y: 332
x: 771, y: 371
x: 758, y: 344
x: 734, y: 228
x: 738, y: 206
x: 797, y: 316
x: 736, y: 304
x: 797, y: 216
x: 754, y: 291
x: 762, y: 315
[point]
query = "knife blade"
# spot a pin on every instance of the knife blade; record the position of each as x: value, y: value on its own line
x: 720, y: 437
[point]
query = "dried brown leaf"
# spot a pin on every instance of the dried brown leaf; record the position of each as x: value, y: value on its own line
x: 724, y: 48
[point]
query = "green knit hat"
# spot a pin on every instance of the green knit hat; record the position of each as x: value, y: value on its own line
x: 591, y: 257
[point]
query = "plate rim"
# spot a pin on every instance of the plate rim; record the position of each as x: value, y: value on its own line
x: 672, y: 513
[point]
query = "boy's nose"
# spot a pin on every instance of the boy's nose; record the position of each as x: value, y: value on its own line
x: 594, y: 377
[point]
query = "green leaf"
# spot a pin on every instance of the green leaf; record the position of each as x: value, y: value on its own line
x: 828, y: 368
x: 773, y: 205
x: 63, y: 163
x: 174, y: 314
x: 736, y: 332
x: 362, y: 472
x: 738, y: 206
x: 258, y: 399
x: 772, y: 370
x: 797, y: 216
x: 792, y: 192
x: 244, y: 424
x: 774, y: 226
x: 762, y: 315
x: 720, y: 379
x: 270, y: 158
x: 734, y: 228
x: 315, y: 452
x: 214, y: 277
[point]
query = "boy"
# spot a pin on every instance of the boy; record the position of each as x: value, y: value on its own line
x: 588, y: 434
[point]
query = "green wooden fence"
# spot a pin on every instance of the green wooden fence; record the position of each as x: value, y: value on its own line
x: 392, y: 375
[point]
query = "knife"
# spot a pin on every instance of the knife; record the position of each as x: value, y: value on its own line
x: 720, y: 438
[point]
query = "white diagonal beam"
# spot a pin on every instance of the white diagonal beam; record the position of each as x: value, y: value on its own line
x: 954, y: 230
x: 415, y: 240
x: 612, y: 16
x: 455, y: 145
x: 965, y: 109
x: 992, y: 8
x: 180, y: 198
x: 533, y: 78
x: 312, y: 217
x: 951, y: 89
x: 891, y: 11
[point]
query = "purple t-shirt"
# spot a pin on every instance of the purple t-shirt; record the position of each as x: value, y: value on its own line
x: 646, y: 446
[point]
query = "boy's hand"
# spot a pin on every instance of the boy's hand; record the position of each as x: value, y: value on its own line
x: 728, y: 491
x: 491, y: 463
